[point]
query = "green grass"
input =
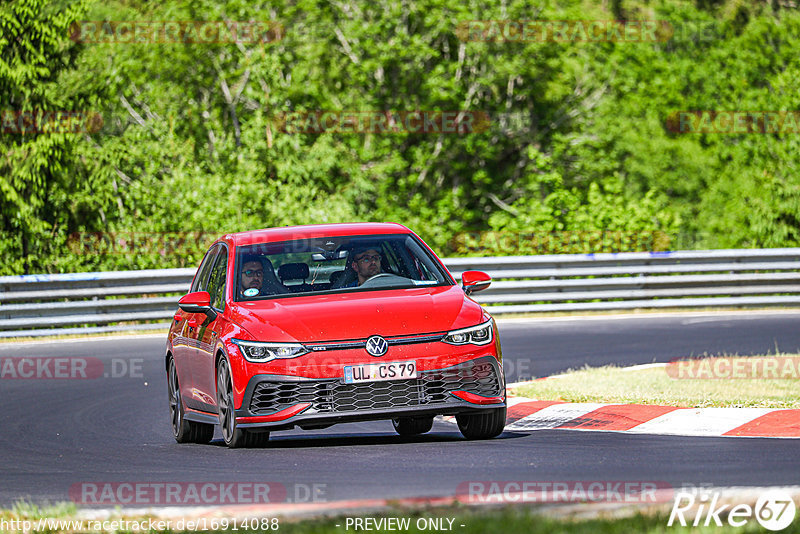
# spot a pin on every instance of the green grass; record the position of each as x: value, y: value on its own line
x: 27, y: 510
x: 611, y: 384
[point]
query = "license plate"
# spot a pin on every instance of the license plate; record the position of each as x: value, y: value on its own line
x: 375, y: 372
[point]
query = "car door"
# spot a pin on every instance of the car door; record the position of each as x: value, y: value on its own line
x: 203, y: 368
x: 186, y: 343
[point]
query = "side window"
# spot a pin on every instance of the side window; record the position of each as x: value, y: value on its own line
x: 201, y: 278
x: 424, y: 266
x: 395, y: 260
x: 422, y: 269
x: 216, y: 281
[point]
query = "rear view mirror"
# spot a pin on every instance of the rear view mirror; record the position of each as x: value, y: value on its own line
x: 197, y: 302
x: 472, y: 281
x: 329, y: 256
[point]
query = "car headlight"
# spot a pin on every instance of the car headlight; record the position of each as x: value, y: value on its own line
x: 255, y: 351
x: 474, y: 335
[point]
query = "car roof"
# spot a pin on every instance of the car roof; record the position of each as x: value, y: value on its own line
x: 289, y: 233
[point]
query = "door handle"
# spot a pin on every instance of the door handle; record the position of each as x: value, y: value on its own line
x: 191, y: 323
x: 177, y: 317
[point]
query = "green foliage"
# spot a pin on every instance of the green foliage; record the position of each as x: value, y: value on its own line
x: 577, y: 149
x: 39, y: 187
x: 603, y: 217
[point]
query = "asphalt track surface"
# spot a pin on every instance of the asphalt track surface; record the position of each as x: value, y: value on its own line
x: 57, y: 434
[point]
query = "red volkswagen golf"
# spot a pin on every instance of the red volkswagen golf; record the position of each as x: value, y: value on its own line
x: 310, y: 326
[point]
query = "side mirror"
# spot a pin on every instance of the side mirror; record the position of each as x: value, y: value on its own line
x: 197, y: 302
x: 472, y: 281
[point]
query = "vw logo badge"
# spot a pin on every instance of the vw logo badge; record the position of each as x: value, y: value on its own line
x: 377, y: 346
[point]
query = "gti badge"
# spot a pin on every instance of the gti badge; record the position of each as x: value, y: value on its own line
x: 377, y: 346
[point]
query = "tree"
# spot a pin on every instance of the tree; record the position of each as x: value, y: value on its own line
x: 43, y: 190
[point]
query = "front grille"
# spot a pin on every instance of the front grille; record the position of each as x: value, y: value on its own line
x: 273, y: 396
x: 332, y: 396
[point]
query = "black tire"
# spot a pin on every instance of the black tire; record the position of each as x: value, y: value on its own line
x: 183, y: 430
x: 233, y: 436
x: 485, y: 425
x: 412, y: 426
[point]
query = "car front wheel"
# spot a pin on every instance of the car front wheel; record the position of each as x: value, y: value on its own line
x: 183, y: 430
x: 484, y: 425
x: 233, y: 436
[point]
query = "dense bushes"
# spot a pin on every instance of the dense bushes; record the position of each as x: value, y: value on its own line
x: 578, y: 155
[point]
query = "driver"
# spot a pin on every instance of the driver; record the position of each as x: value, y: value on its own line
x: 257, y: 277
x: 366, y: 263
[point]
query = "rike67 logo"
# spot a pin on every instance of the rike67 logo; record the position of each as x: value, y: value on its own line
x: 774, y: 510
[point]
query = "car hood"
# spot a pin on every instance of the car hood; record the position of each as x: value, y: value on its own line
x: 357, y: 315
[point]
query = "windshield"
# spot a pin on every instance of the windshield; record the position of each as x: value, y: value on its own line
x: 335, y: 264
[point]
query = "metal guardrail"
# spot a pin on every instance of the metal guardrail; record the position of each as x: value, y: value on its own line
x: 36, y: 305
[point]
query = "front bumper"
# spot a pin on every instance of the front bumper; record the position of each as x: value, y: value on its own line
x: 282, y: 402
